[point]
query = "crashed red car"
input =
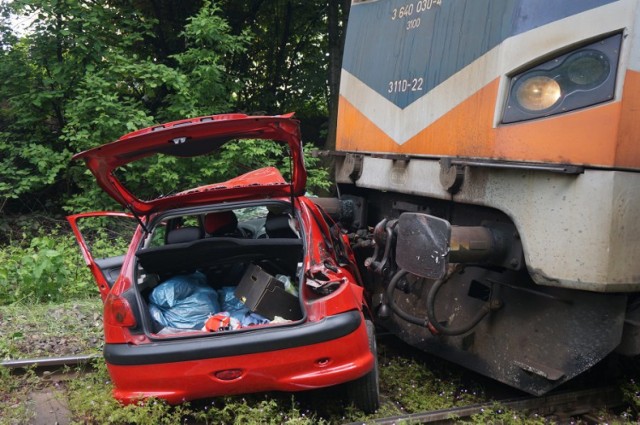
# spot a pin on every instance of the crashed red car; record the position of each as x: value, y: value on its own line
x: 230, y: 287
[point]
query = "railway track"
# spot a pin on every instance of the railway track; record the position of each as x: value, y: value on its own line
x: 559, y: 406
x: 50, y: 362
x: 48, y: 404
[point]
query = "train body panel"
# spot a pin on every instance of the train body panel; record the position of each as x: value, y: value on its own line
x: 494, y: 146
x: 460, y: 115
x: 577, y: 231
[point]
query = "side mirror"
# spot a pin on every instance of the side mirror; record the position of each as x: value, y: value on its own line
x: 422, y: 246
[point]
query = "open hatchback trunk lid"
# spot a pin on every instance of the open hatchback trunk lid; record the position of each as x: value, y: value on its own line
x: 191, y: 138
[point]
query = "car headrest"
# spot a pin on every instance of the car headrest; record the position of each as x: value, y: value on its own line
x: 278, y: 226
x: 184, y: 234
x: 220, y: 223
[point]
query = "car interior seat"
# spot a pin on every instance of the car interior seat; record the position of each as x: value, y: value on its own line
x: 184, y: 234
x: 222, y: 223
x: 278, y: 225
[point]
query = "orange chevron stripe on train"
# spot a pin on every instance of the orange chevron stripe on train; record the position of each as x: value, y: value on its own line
x: 615, y: 125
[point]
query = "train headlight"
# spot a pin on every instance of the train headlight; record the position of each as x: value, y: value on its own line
x: 574, y: 80
x: 587, y: 68
x: 537, y: 93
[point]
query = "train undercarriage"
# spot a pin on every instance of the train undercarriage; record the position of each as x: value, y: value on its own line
x: 455, y: 278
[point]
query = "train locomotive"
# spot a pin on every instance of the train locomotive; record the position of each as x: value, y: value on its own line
x: 488, y: 165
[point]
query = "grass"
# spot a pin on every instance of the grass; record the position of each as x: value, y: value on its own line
x: 15, y: 391
x: 420, y: 383
x: 410, y: 382
x: 418, y: 389
x: 90, y: 401
x: 501, y: 416
x: 43, y: 330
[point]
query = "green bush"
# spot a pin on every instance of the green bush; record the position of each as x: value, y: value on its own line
x: 46, y: 268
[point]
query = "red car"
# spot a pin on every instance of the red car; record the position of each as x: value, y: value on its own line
x: 227, y: 288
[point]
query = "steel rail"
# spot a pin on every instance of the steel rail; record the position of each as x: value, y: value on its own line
x: 45, y: 362
x: 564, y: 404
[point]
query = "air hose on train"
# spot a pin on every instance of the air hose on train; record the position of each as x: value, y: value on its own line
x: 431, y: 322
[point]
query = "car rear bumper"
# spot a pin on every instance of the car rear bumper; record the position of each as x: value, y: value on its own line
x: 234, y: 344
x: 332, y: 351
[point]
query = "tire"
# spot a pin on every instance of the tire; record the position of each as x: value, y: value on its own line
x: 364, y: 392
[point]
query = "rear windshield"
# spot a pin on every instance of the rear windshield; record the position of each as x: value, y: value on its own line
x: 163, y: 174
x: 248, y: 223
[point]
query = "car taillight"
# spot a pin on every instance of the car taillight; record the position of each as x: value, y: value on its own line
x: 117, y: 312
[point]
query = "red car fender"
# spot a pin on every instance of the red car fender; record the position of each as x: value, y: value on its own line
x: 348, y: 295
x: 321, y: 267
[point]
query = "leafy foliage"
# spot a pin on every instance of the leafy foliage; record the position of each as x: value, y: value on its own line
x: 43, y: 269
x: 41, y: 72
x: 42, y: 263
x: 72, y: 83
x: 210, y: 44
x: 287, y: 60
x: 172, y: 174
x: 238, y: 158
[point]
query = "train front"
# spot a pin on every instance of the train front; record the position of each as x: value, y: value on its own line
x: 496, y: 145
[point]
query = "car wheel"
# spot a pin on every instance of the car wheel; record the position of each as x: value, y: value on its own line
x: 364, y: 392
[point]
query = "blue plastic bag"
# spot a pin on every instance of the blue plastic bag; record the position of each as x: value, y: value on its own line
x: 228, y: 299
x: 237, y: 309
x: 183, y: 301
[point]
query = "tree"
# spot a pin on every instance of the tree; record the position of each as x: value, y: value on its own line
x: 285, y: 65
x: 338, y: 17
x: 41, y: 72
x: 73, y: 83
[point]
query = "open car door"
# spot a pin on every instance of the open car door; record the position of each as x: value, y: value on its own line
x: 103, y: 233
